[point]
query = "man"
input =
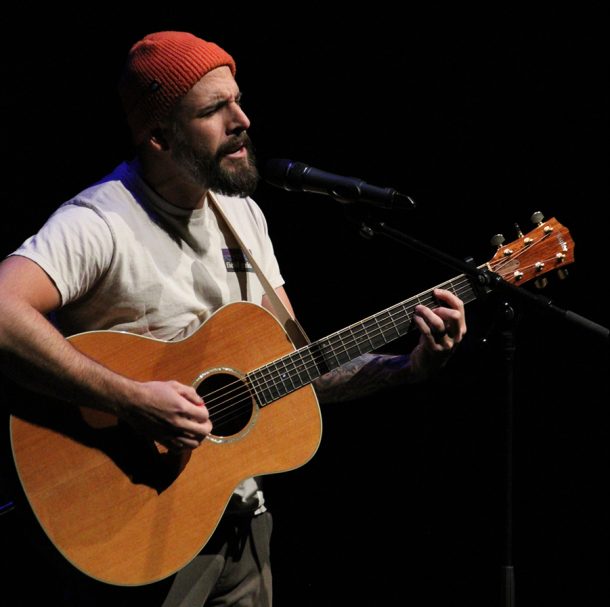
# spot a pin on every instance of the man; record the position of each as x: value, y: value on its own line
x: 145, y: 251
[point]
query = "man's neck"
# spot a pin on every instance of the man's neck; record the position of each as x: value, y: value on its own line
x: 171, y: 185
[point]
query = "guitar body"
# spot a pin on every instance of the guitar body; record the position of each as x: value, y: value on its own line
x: 120, y: 508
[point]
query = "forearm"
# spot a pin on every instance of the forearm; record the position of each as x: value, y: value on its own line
x: 362, y: 376
x: 36, y: 355
x: 371, y: 373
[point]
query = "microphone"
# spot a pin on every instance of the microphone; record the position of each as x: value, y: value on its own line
x: 298, y: 177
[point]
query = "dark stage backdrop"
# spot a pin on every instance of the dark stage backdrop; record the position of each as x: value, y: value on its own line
x: 483, y: 117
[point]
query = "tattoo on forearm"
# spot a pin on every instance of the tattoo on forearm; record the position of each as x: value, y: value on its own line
x: 362, y: 376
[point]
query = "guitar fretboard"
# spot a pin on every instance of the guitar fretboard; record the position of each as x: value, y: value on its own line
x: 297, y: 369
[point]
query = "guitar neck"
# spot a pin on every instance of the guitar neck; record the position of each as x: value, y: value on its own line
x: 297, y: 369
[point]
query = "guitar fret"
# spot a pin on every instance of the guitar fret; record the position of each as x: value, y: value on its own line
x: 276, y: 381
x: 307, y: 367
x: 350, y: 351
x: 378, y: 337
x: 253, y: 382
x: 293, y: 371
x: 391, y: 332
x: 265, y: 396
x: 330, y: 353
x: 286, y: 375
x: 329, y: 350
x: 381, y: 329
x: 356, y: 344
x: 404, y: 320
x: 399, y: 320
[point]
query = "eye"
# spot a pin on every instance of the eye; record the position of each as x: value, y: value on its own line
x: 209, y: 111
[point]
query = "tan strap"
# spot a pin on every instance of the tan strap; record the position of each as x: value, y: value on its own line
x: 290, y: 324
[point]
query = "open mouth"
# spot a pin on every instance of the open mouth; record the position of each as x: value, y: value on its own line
x: 235, y: 149
x: 239, y: 152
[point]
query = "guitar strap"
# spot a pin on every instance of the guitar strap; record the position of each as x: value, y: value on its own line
x: 290, y: 324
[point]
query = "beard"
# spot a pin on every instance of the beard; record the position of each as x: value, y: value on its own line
x: 206, y: 170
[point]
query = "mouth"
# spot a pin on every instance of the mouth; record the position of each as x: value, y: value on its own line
x: 235, y: 149
x: 239, y: 152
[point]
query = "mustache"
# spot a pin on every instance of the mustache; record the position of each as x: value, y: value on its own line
x: 234, y: 144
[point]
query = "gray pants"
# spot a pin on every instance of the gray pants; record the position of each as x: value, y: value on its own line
x: 237, y: 575
x: 232, y: 570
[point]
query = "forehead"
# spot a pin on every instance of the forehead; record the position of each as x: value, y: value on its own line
x: 217, y: 84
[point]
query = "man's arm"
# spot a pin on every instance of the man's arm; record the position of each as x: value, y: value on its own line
x: 441, y: 330
x: 169, y: 412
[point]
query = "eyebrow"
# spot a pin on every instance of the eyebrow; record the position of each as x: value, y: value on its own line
x: 216, y: 102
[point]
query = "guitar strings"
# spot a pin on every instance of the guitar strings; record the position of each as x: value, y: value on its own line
x: 240, y: 400
x: 240, y: 390
x: 314, y: 361
x: 240, y: 395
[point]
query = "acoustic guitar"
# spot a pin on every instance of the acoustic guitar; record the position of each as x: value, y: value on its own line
x: 125, y: 511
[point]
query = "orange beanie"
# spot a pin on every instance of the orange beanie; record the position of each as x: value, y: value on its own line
x: 160, y: 69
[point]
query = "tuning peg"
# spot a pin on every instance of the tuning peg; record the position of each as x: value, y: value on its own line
x: 537, y: 218
x: 497, y: 240
x: 541, y: 282
x: 518, y: 229
x: 562, y: 273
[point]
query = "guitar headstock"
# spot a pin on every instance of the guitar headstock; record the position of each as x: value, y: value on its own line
x: 548, y: 247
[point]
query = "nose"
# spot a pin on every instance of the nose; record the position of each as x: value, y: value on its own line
x: 238, y: 121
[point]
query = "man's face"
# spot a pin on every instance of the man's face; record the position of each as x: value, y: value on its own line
x: 208, y: 137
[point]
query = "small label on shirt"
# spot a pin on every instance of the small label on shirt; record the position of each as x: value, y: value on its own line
x: 235, y: 261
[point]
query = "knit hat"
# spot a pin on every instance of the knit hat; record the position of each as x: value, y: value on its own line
x: 160, y: 69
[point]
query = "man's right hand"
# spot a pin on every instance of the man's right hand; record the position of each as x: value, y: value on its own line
x: 170, y: 413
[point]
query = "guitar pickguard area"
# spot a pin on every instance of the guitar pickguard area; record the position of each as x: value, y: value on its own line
x: 230, y: 402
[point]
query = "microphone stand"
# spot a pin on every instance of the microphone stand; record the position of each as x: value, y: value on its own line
x: 489, y: 281
x: 482, y: 278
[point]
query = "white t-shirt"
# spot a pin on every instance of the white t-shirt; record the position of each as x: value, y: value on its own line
x: 124, y: 259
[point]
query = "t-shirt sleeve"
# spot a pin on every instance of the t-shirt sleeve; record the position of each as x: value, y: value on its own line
x: 74, y: 247
x: 268, y: 260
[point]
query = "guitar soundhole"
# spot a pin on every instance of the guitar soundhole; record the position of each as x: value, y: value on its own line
x: 229, y: 402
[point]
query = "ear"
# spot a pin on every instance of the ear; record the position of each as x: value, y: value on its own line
x: 158, y: 139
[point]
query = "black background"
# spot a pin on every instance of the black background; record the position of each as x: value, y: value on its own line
x: 483, y: 116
